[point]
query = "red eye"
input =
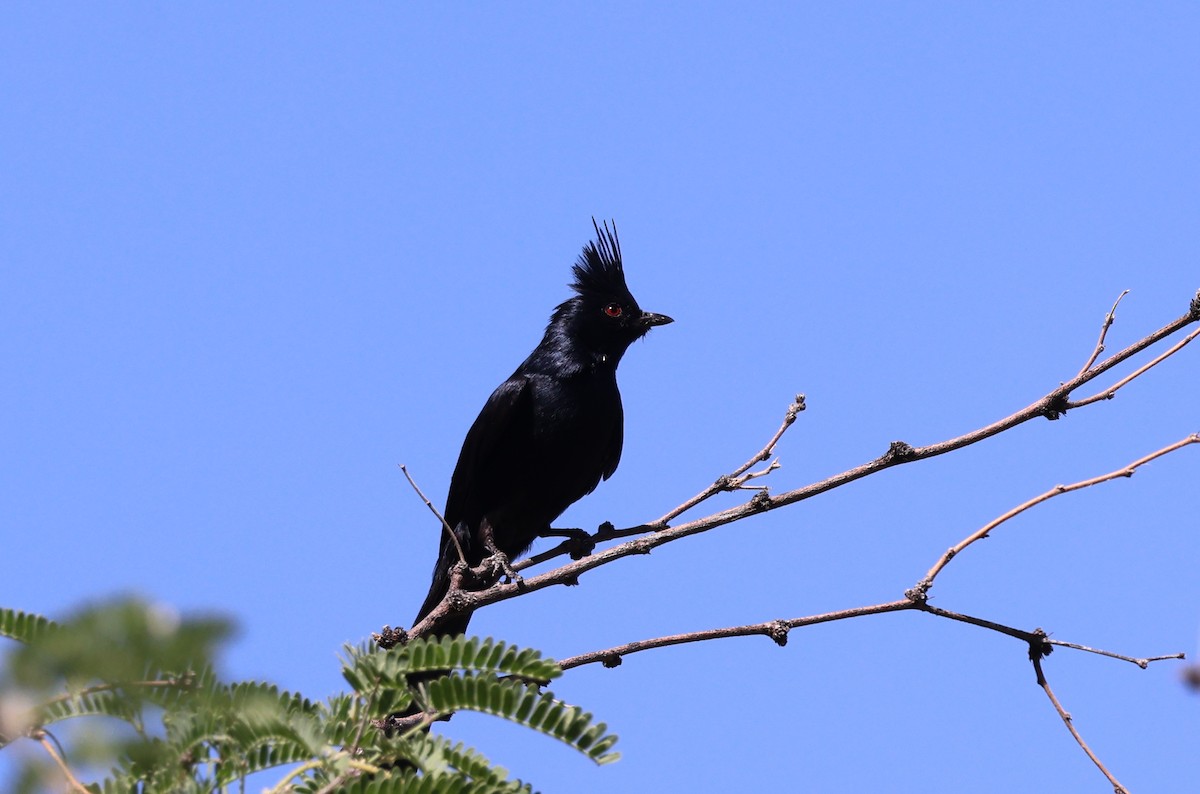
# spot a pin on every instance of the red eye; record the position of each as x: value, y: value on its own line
x: 613, y: 310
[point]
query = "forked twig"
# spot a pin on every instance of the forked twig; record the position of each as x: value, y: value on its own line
x: 777, y: 630
x: 1108, y: 321
x: 914, y: 598
x: 734, y: 481
x: 1111, y: 391
x: 737, y: 477
x: 926, y: 583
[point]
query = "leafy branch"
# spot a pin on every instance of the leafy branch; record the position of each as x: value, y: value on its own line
x: 111, y: 662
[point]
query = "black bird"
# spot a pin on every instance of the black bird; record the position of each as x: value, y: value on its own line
x: 552, y: 431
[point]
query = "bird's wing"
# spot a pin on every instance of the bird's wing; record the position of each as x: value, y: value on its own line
x: 612, y: 454
x: 506, y: 411
x: 484, y: 463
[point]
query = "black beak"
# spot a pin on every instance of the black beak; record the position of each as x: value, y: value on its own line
x: 650, y: 319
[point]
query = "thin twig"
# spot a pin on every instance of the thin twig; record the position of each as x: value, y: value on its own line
x: 73, y: 781
x: 735, y: 480
x: 1142, y: 662
x: 1111, y: 391
x: 449, y: 531
x: 990, y: 625
x: 740, y: 482
x: 1108, y: 321
x: 926, y: 583
x: 777, y: 630
x: 1036, y: 640
x: 729, y: 481
x: 1070, y: 723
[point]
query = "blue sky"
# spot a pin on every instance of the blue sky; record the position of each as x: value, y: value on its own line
x: 254, y: 256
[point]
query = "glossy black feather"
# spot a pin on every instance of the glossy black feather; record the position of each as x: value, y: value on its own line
x: 554, y: 429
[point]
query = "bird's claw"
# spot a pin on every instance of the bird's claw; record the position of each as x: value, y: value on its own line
x: 579, y: 542
x: 502, y: 569
x: 581, y: 546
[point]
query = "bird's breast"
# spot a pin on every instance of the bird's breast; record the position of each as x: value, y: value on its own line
x: 570, y: 446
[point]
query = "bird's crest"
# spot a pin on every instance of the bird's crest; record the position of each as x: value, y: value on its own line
x: 598, y: 269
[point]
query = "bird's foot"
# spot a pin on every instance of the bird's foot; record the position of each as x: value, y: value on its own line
x: 579, y: 542
x: 501, y: 569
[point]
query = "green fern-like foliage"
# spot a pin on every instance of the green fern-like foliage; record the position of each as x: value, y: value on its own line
x: 525, y: 706
x: 363, y: 666
x: 410, y: 783
x: 189, y: 731
x: 23, y: 626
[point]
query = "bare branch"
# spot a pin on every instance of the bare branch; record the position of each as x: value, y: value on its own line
x: 740, y: 482
x: 926, y: 583
x: 1000, y: 628
x: 1108, y: 321
x: 1142, y: 662
x: 734, y: 479
x: 1070, y: 723
x: 1111, y: 391
x: 1051, y: 405
x: 1038, y: 643
x: 647, y: 537
x: 777, y: 630
x: 449, y: 531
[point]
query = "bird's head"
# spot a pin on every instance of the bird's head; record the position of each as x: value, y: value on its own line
x: 603, y: 316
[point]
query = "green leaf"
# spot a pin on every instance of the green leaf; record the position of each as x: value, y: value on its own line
x: 88, y: 703
x: 24, y: 626
x: 523, y: 705
x: 409, y: 783
x: 364, y: 669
